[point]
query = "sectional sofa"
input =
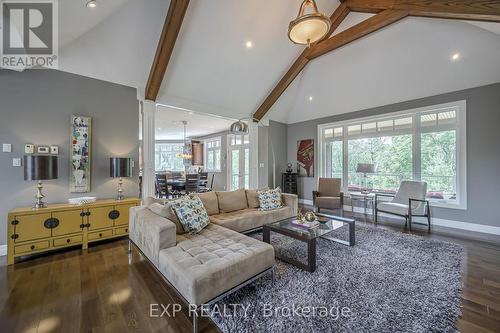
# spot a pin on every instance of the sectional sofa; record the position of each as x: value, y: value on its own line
x: 220, y: 259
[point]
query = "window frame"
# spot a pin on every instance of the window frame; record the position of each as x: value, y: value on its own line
x: 416, y: 131
x: 214, y: 150
x: 160, y: 142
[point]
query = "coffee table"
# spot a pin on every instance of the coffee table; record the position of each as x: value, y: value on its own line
x: 309, y: 236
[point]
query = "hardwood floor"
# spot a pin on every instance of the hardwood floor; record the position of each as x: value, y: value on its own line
x: 104, y: 289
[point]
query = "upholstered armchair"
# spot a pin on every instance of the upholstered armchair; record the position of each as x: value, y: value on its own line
x: 329, y: 195
x: 408, y: 202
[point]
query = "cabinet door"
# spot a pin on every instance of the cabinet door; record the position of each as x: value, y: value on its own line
x: 99, y: 217
x: 122, y: 210
x: 69, y: 222
x: 30, y: 227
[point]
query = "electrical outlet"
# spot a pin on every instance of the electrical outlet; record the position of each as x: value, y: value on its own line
x: 16, y: 161
x: 261, y: 165
x: 7, y: 148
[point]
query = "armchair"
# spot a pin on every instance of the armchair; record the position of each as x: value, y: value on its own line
x: 329, y: 195
x: 408, y: 202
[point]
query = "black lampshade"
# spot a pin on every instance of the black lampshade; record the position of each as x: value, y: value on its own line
x: 37, y: 167
x: 120, y: 167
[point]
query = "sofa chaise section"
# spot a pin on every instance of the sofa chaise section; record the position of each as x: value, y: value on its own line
x: 205, y: 265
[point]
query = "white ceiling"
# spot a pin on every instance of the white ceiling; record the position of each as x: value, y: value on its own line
x: 211, y: 70
x: 168, y: 122
x: 75, y: 19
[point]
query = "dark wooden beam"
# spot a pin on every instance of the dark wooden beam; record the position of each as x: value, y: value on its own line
x: 336, y: 18
x: 357, y: 31
x: 171, y: 28
x: 478, y: 10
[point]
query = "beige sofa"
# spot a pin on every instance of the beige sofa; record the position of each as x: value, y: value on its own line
x: 204, y: 266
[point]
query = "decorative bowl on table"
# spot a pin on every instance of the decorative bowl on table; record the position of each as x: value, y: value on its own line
x: 322, y: 219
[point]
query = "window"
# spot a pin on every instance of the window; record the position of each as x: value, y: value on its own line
x: 212, y: 154
x: 238, y: 161
x: 425, y: 144
x: 166, y: 156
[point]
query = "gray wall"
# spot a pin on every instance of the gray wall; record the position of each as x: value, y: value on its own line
x: 483, y: 149
x: 278, y: 141
x: 35, y: 107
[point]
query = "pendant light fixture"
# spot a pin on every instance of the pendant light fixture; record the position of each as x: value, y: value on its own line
x: 186, y: 150
x: 308, y: 28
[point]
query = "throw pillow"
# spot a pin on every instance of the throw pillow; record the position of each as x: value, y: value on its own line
x: 210, y: 202
x: 270, y: 199
x: 231, y: 201
x: 252, y: 199
x: 166, y: 211
x: 191, y: 213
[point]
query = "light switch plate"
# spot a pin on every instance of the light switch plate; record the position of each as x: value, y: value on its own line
x: 7, y: 148
x: 16, y: 161
x: 261, y: 165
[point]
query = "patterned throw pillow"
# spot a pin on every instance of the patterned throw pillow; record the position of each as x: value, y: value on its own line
x: 191, y: 213
x: 270, y: 199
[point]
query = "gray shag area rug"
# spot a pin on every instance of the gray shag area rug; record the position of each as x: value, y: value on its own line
x: 387, y: 282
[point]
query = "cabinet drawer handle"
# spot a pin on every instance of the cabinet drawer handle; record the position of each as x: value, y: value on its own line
x: 82, y: 214
x: 68, y: 240
x: 100, y: 235
x: 82, y: 225
x: 87, y: 213
x: 88, y: 225
x: 15, y: 222
x: 14, y: 236
x: 32, y: 247
x: 126, y: 230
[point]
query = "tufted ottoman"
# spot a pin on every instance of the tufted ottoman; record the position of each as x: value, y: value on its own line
x: 204, y: 266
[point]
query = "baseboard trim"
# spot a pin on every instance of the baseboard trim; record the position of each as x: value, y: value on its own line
x: 306, y: 202
x: 3, y: 250
x: 482, y: 228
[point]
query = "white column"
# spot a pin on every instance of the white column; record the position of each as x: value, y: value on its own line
x: 254, y: 154
x: 148, y: 110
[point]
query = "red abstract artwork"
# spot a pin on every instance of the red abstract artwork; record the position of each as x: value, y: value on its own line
x: 305, y: 158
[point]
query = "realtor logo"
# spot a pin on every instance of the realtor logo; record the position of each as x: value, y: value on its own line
x: 29, y: 34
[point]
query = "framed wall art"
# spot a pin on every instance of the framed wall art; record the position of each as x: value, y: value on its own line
x: 79, y: 181
x: 305, y: 158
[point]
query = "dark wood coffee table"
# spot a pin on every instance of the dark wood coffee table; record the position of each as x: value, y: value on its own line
x: 309, y: 236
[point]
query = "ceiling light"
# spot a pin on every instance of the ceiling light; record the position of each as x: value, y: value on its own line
x: 455, y: 56
x: 308, y: 28
x: 310, y: 98
x: 249, y: 44
x: 91, y: 4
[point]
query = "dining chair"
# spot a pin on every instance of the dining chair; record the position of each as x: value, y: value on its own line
x: 192, y: 183
x: 173, y: 190
x: 161, y: 185
x: 409, y: 201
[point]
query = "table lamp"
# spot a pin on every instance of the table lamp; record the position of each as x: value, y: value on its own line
x: 40, y: 168
x: 365, y: 168
x: 120, y: 167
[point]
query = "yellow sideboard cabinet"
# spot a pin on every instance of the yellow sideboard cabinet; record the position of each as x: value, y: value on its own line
x: 62, y: 225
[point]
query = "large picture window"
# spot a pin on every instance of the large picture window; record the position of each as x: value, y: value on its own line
x: 167, y: 156
x: 426, y: 144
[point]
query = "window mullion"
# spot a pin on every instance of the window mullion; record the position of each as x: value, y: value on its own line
x: 417, y: 148
x: 345, y: 160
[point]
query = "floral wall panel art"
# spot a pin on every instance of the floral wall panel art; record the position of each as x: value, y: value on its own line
x: 79, y: 181
x: 305, y: 158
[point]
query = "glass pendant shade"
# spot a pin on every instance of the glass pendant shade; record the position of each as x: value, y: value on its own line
x: 308, y: 28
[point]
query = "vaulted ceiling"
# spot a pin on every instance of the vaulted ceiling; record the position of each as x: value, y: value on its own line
x: 211, y: 69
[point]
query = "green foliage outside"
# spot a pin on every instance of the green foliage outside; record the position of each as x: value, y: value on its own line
x: 392, y: 156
